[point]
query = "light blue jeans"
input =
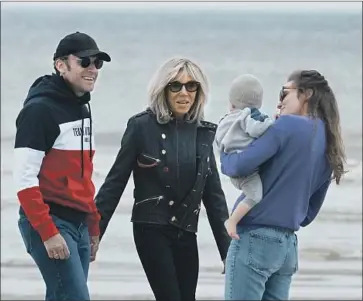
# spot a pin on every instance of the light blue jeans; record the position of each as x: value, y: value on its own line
x: 64, y: 279
x: 260, y: 265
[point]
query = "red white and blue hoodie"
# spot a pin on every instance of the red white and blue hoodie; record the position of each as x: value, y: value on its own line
x: 54, y: 148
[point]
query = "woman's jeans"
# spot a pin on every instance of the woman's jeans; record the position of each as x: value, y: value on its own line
x: 64, y: 279
x: 260, y: 265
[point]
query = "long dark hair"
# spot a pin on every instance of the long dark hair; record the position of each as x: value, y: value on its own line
x: 322, y: 104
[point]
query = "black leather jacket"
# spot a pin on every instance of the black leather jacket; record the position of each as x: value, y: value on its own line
x: 174, y: 168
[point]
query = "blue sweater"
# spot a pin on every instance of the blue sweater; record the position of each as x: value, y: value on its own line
x: 294, y: 170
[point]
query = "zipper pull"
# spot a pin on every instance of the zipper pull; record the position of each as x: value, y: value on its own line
x: 159, y: 199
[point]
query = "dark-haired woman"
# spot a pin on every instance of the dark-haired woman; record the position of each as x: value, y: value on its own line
x: 297, y: 157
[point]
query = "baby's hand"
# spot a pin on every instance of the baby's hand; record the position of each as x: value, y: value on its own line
x: 231, y: 228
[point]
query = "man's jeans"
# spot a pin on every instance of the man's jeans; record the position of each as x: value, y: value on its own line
x: 260, y: 265
x: 64, y: 279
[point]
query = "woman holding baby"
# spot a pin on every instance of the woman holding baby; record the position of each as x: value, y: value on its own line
x: 297, y: 157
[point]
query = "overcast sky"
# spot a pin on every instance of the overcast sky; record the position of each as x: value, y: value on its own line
x: 326, y: 6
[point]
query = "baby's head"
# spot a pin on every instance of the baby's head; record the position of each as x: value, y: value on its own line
x: 246, y: 91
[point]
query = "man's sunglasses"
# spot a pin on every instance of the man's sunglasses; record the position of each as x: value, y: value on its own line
x: 190, y: 86
x: 85, y: 62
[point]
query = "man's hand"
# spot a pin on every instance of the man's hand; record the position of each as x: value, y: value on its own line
x: 95, y: 241
x: 57, y: 247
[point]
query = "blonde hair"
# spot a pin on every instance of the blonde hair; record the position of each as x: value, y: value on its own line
x: 168, y: 71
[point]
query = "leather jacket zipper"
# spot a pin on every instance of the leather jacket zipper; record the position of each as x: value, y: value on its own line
x: 177, y: 156
x: 158, y: 198
x: 152, y: 158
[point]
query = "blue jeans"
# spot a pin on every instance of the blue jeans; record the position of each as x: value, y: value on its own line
x: 64, y: 279
x: 260, y: 265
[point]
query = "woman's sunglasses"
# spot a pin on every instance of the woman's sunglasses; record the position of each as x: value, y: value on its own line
x: 283, y: 94
x: 284, y: 91
x: 85, y: 62
x: 190, y: 86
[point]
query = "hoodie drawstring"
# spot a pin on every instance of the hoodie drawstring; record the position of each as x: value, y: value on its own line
x: 90, y: 138
x: 90, y: 131
x: 82, y: 164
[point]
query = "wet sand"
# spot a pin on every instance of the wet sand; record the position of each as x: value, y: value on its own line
x: 330, y: 257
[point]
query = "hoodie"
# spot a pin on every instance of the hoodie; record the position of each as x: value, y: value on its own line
x: 237, y: 129
x: 54, y: 148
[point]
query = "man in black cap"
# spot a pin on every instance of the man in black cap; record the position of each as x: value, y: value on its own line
x: 54, y: 150
x: 74, y: 58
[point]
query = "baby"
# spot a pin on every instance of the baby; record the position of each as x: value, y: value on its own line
x: 236, y: 130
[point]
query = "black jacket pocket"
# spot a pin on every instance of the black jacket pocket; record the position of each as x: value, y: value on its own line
x: 147, y: 161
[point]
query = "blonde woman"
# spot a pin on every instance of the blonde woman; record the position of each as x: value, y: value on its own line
x: 169, y: 149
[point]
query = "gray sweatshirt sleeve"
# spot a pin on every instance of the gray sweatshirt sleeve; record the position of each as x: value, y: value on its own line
x: 256, y: 123
x: 222, y: 129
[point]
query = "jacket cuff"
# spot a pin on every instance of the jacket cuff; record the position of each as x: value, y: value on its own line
x: 47, y: 230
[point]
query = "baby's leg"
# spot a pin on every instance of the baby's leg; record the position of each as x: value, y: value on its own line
x: 252, y: 188
x: 237, y: 182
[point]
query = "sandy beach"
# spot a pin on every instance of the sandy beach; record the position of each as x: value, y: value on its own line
x: 226, y: 42
x: 330, y: 256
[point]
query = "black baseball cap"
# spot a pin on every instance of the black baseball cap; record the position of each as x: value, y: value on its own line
x: 80, y: 45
